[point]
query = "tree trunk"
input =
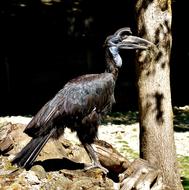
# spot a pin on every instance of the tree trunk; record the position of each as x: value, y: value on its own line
x: 153, y: 71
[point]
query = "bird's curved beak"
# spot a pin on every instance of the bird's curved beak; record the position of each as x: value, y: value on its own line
x: 134, y: 42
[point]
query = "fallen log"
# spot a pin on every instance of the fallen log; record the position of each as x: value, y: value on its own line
x: 138, y: 175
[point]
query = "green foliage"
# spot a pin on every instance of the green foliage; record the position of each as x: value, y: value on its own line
x: 181, y: 119
x: 185, y: 183
x: 184, y: 166
x: 127, y: 151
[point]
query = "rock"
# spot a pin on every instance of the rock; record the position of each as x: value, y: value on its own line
x: 39, y: 171
x: 6, y: 141
x: 31, y: 177
x: 6, y: 145
x: 61, y: 168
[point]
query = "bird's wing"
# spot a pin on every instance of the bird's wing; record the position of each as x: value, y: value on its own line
x: 44, y: 118
x: 77, y: 99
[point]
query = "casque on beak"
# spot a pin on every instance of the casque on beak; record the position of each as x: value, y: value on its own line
x: 134, y: 42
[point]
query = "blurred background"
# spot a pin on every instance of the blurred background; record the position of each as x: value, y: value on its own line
x: 45, y: 43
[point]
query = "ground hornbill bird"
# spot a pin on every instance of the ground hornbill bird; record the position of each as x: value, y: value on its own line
x: 81, y: 104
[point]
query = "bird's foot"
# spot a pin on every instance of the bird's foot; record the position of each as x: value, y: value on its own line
x: 95, y: 165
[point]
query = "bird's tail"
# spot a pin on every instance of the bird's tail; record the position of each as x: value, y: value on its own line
x: 28, y: 154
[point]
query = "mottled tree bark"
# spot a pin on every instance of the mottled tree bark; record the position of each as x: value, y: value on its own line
x: 157, y: 146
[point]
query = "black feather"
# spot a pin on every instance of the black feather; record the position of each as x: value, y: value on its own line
x: 28, y: 154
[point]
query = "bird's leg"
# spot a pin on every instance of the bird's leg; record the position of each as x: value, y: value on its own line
x: 95, y: 161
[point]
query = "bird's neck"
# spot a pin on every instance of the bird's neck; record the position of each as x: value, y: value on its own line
x: 111, y: 65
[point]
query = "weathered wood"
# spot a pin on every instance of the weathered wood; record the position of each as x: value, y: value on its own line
x: 110, y: 157
x: 140, y: 175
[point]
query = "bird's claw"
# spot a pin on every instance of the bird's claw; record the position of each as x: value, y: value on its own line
x: 96, y: 165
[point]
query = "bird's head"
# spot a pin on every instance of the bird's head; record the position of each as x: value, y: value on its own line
x: 123, y: 39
